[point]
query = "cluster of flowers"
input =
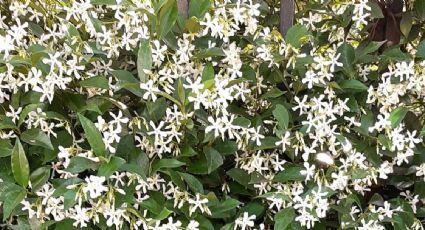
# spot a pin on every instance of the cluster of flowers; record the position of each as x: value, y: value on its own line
x: 228, y: 125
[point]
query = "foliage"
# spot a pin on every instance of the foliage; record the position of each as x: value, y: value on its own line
x: 124, y: 114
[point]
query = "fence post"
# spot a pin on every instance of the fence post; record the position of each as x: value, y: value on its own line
x: 287, y: 13
x: 183, y: 7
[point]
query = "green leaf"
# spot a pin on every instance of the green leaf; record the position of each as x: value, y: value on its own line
x: 419, y: 7
x: 93, y: 135
x: 210, y: 52
x: 397, y: 115
x: 127, y: 81
x: 79, y: 164
x: 369, y: 48
x: 214, y: 159
x: 420, y: 53
x: 375, y: 10
x: 180, y: 91
x: 198, y: 8
x: 394, y: 54
x: 208, y: 72
x: 193, y: 25
x: 283, y: 218
x: 95, y: 82
x: 167, y: 17
x: 296, y: 35
x: 188, y: 151
x: 11, y: 195
x: 37, y: 137
x: 239, y: 175
x: 107, y: 169
x: 282, y: 116
x: 273, y: 93
x: 133, y: 168
x: 20, y: 167
x: 166, y: 163
x: 347, y: 57
x: 103, y: 2
x: 406, y: 24
x: 5, y: 148
x: 225, y: 206
x: 69, y: 198
x: 353, y: 85
x: 291, y: 173
x: 163, y: 214
x: 144, y: 59
x: 26, y: 110
x: 192, y: 182
x: 39, y: 177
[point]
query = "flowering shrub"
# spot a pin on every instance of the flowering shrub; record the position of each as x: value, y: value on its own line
x: 124, y: 114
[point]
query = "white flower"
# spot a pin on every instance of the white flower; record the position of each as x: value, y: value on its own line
x: 80, y: 216
x: 256, y: 136
x: 309, y: 171
x: 420, y: 170
x: 95, y: 186
x: 151, y: 90
x: 244, y: 221
x: 284, y: 141
x: 193, y: 225
x: 198, y: 203
x: 14, y: 114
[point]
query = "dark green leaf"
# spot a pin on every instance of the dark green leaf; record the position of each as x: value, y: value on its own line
x: 20, y: 167
x: 166, y: 163
x: 214, y: 159
x: 11, y: 195
x: 133, y: 168
x: 283, y: 218
x: 420, y: 53
x: 79, y: 164
x: 225, y: 206
x: 419, y: 7
x: 93, y: 135
x: 291, y: 173
x: 347, y: 57
x: 167, y: 17
x: 369, y: 48
x: 37, y: 137
x: 353, y: 85
x: 239, y: 175
x: 127, y: 81
x: 39, y: 177
x: 198, y: 8
x: 107, y: 169
x: 282, y: 116
x: 192, y: 182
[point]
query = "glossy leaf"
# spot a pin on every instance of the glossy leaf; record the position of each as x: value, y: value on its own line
x: 20, y: 166
x: 93, y: 135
